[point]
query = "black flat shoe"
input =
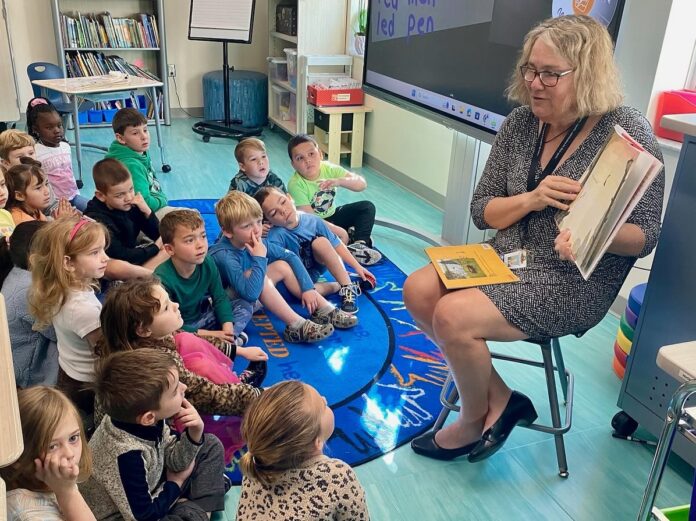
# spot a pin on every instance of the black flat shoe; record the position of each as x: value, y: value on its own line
x: 254, y: 374
x: 518, y: 411
x: 426, y: 445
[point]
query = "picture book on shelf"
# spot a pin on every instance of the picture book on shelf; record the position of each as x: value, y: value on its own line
x: 612, y: 185
x: 469, y: 265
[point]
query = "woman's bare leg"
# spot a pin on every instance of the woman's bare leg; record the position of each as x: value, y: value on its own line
x: 462, y: 321
x: 422, y: 292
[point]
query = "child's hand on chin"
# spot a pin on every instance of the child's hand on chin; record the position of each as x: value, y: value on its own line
x: 188, y: 418
x: 59, y: 474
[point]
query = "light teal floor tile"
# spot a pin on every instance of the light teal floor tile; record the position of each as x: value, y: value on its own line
x: 607, y: 476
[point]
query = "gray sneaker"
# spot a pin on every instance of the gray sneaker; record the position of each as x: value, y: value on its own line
x: 349, y: 297
x: 364, y: 254
x: 339, y: 319
x: 309, y: 332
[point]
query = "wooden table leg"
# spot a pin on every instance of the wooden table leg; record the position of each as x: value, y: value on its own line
x: 335, y: 138
x: 357, y: 138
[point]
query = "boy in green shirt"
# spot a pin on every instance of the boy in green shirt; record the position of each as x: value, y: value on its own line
x: 191, y: 277
x: 131, y: 148
x: 314, y: 187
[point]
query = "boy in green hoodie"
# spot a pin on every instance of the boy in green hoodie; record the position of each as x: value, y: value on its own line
x: 130, y: 148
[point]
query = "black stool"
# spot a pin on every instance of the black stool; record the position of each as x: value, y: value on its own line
x: 550, y: 349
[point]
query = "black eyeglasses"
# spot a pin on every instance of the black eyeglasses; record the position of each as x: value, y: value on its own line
x: 548, y: 78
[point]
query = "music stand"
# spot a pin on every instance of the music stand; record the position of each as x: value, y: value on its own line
x: 223, y: 21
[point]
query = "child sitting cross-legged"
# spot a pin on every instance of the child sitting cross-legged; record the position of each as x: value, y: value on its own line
x: 131, y: 148
x: 314, y: 187
x: 191, y: 277
x: 28, y: 195
x: 126, y: 215
x: 45, y: 125
x: 254, y: 169
x: 250, y: 269
x: 139, y: 314
x: 42, y: 483
x: 142, y: 468
x: 285, y: 470
x: 319, y: 248
x: 67, y: 259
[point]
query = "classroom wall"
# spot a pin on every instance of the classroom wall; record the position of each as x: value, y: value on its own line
x: 396, y: 136
x: 31, y: 29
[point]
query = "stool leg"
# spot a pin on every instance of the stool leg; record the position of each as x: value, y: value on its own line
x: 555, y: 412
x: 560, y: 364
x: 452, y: 398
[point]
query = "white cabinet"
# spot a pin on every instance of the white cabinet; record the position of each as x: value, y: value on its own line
x: 321, y: 30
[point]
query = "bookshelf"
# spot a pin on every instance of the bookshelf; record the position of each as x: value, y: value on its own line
x: 91, y: 41
x: 321, y: 30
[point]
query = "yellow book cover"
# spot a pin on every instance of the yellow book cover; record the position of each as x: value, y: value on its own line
x: 469, y: 265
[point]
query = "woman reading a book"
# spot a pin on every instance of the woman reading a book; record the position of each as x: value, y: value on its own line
x: 568, y: 86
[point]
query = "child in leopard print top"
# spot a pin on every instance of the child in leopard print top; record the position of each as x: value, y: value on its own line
x: 286, y: 475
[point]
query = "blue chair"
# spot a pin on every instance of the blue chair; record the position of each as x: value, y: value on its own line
x: 49, y: 71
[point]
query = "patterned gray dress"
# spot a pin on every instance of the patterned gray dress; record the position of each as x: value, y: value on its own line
x: 552, y: 298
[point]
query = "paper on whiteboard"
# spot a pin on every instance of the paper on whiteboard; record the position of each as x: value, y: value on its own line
x: 222, y: 14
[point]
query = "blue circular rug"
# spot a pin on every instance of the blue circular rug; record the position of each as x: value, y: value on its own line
x: 382, y: 378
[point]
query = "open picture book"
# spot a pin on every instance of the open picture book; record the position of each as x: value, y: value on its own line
x: 612, y: 185
x: 469, y: 265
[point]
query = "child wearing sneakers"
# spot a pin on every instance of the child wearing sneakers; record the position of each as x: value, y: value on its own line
x: 249, y: 269
x: 314, y: 187
x: 142, y: 469
x: 126, y: 215
x: 131, y: 148
x: 191, y: 277
x: 319, y: 249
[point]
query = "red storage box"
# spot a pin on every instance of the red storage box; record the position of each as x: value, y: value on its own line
x: 334, y: 97
x: 673, y: 102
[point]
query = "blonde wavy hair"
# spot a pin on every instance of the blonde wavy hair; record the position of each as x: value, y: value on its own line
x: 236, y: 207
x: 586, y: 45
x: 50, y: 281
x: 280, y: 428
x: 41, y: 409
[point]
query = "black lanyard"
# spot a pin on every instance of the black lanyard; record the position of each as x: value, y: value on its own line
x: 532, y: 182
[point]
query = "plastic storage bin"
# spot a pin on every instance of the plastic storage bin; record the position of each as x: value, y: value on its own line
x: 672, y: 514
x: 95, y: 116
x: 109, y: 115
x: 673, y: 102
x: 293, y: 107
x: 278, y: 69
x: 281, y: 102
x: 291, y: 54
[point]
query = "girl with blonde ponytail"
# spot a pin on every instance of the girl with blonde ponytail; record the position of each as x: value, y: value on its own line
x: 285, y: 469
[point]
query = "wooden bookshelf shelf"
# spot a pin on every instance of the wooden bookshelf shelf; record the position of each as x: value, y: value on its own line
x: 84, y: 22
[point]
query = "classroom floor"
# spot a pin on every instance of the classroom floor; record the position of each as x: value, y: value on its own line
x: 607, y: 476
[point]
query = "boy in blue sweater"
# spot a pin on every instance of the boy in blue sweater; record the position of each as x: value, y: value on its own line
x: 250, y: 269
x: 319, y: 248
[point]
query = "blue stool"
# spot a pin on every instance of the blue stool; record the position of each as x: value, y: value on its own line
x: 248, y: 97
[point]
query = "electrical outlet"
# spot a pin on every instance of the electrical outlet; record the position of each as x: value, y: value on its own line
x: 171, y: 70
